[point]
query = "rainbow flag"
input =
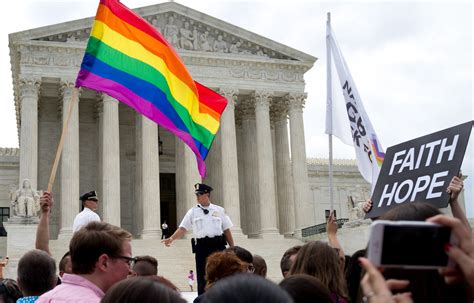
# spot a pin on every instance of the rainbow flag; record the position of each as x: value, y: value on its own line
x: 128, y: 59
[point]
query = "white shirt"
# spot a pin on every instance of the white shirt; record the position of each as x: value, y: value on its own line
x: 210, y: 225
x: 83, y: 218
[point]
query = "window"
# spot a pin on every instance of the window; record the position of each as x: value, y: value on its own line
x: 4, y: 215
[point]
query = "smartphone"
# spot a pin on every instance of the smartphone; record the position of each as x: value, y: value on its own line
x: 409, y: 244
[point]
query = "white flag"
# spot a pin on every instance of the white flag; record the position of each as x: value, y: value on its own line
x: 369, y: 152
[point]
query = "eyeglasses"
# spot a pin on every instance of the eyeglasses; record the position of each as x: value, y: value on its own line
x: 129, y: 260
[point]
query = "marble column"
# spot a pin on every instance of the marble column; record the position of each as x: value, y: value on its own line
x: 148, y: 175
x: 286, y: 207
x: 230, y: 169
x: 29, y: 95
x: 240, y: 156
x: 304, y: 210
x: 187, y: 175
x: 110, y: 196
x: 213, y: 170
x: 250, y: 171
x: 69, y: 197
x: 266, y: 175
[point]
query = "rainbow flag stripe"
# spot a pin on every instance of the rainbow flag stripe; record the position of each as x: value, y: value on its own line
x: 130, y: 61
x: 379, y: 154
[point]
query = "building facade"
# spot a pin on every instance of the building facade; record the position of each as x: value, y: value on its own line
x: 143, y: 174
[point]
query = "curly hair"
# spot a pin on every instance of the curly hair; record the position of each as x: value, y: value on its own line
x: 222, y: 264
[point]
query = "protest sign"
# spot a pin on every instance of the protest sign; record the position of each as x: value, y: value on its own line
x: 420, y: 170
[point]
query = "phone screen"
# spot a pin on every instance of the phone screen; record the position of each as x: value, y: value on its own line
x: 415, y: 245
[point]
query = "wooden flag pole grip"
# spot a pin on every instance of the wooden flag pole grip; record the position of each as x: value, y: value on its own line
x: 74, y: 98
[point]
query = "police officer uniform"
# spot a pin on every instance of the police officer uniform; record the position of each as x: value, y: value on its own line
x: 208, y: 224
x: 86, y: 215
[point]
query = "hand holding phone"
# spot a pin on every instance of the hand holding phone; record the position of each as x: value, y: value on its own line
x: 409, y: 244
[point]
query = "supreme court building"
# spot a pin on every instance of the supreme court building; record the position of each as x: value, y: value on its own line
x: 144, y: 175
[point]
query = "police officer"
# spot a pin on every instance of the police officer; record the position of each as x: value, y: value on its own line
x: 90, y: 203
x: 211, y: 229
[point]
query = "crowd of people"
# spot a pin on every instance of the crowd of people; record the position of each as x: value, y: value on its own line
x: 100, y: 267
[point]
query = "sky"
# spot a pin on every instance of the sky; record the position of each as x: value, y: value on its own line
x: 410, y: 60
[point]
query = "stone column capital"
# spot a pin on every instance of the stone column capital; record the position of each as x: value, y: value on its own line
x: 279, y: 110
x: 262, y: 99
x: 107, y: 98
x: 65, y: 88
x: 29, y: 87
x: 296, y: 101
x: 246, y: 109
x: 230, y: 94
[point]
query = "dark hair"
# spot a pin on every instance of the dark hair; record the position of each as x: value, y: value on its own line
x: 9, y: 291
x: 241, y: 253
x: 164, y: 281
x: 353, y: 273
x: 425, y: 285
x: 285, y: 262
x: 145, y: 266
x: 243, y: 288
x: 63, y: 262
x: 141, y: 289
x: 304, y: 288
x: 320, y: 260
x: 94, y: 240
x: 36, y: 273
x: 220, y: 265
x: 415, y: 211
x: 260, y: 266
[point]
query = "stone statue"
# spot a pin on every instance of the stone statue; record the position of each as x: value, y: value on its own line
x: 187, y: 38
x: 155, y: 24
x: 235, y: 48
x: 205, y: 46
x: 260, y: 52
x: 171, y: 32
x: 196, y: 39
x: 25, y: 201
x: 220, y: 45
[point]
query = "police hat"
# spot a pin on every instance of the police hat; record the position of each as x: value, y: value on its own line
x: 201, y: 188
x: 92, y: 195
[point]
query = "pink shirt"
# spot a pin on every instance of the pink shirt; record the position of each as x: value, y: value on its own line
x: 73, y: 288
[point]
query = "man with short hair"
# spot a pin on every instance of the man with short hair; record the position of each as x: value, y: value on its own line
x: 288, y: 258
x: 90, y: 203
x: 65, y: 265
x: 101, y: 255
x: 244, y: 255
x: 145, y: 266
x: 36, y: 275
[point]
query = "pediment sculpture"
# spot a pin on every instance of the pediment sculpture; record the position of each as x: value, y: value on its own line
x: 185, y: 33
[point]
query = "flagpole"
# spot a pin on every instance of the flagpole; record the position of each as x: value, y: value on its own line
x: 329, y: 98
x: 74, y: 98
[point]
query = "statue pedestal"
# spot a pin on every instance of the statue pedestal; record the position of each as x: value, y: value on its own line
x: 21, y: 238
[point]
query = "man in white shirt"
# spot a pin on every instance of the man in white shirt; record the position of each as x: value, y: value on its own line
x: 90, y: 203
x: 211, y: 229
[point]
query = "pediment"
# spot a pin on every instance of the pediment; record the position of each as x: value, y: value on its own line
x: 184, y: 28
